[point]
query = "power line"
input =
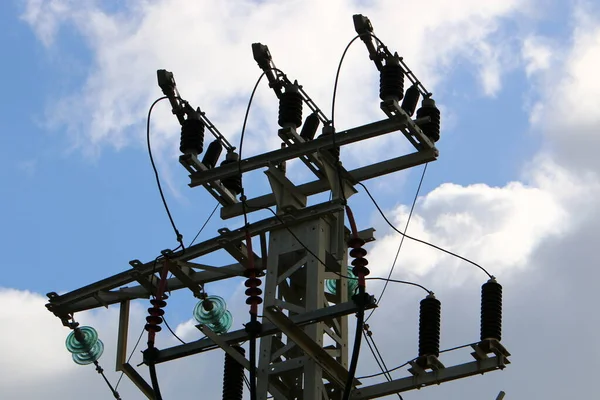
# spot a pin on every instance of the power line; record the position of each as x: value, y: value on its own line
x: 377, y: 355
x: 204, y: 225
x: 412, y: 207
x: 178, y: 235
x: 419, y: 240
x: 171, y: 330
x: 130, y: 355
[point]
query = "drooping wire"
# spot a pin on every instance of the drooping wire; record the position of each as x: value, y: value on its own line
x: 377, y: 355
x: 412, y: 208
x: 130, y: 355
x: 178, y: 235
x: 419, y: 240
x: 204, y: 225
x: 171, y: 330
x: 411, y: 360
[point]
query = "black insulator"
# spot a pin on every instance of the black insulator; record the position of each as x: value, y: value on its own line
x: 213, y: 152
x: 411, y: 99
x: 491, y: 310
x: 233, y: 377
x: 431, y: 129
x: 311, y: 124
x: 290, y: 107
x: 232, y: 183
x: 154, y: 319
x: 391, y: 79
x: 328, y: 130
x: 358, y: 253
x: 429, y: 326
x: 192, y: 136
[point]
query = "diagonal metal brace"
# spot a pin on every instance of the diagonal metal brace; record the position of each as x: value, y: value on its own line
x: 331, y: 368
x: 222, y: 344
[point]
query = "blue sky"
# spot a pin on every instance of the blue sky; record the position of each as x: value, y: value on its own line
x: 80, y: 196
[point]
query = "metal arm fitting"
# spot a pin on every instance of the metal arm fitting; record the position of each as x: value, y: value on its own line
x: 181, y: 107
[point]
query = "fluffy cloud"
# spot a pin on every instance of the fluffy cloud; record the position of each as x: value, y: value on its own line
x: 537, y: 234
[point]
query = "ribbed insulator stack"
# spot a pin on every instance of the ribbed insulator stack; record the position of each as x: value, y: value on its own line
x: 411, y: 99
x: 212, y: 312
x: 491, y: 310
x: 311, y: 124
x: 84, y: 345
x: 213, y: 152
x: 360, y: 262
x: 429, y: 326
x: 233, y: 377
x: 290, y: 107
x: 192, y: 136
x: 232, y: 183
x: 254, y: 291
x: 156, y: 312
x: 391, y: 79
x: 431, y: 129
x: 328, y: 130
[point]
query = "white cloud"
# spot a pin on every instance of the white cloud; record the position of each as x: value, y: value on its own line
x: 537, y: 54
x: 207, y: 45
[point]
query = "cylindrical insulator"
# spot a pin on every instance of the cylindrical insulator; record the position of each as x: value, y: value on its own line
x: 311, y: 124
x: 491, y: 310
x: 290, y: 107
x: 391, y: 79
x: 429, y: 326
x: 192, y: 136
x: 213, y: 152
x: 358, y: 253
x: 431, y: 129
x: 216, y: 316
x: 411, y: 99
x: 232, y: 183
x: 233, y: 377
x: 328, y: 130
x: 154, y: 319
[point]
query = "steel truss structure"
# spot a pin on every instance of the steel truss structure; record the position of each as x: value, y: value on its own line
x: 304, y: 338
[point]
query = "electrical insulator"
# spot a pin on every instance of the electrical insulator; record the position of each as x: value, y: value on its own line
x: 213, y: 152
x: 411, y: 99
x: 491, y: 310
x: 192, y: 136
x: 331, y: 284
x: 391, y: 79
x: 84, y: 345
x: 328, y: 130
x: 232, y: 183
x: 233, y: 377
x: 290, y: 107
x: 358, y: 253
x: 311, y: 124
x: 253, y: 292
x: 212, y: 312
x: 156, y: 312
x: 428, y: 109
x: 429, y: 326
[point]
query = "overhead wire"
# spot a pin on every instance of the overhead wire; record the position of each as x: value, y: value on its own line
x: 204, y: 225
x: 410, y: 213
x: 130, y: 355
x: 419, y: 240
x: 377, y: 355
x: 171, y: 330
x: 178, y: 235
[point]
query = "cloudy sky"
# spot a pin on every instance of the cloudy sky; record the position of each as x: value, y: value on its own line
x: 515, y: 187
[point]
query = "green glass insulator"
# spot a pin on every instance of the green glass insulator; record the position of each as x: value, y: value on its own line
x: 331, y: 284
x: 89, y: 337
x: 88, y: 357
x: 217, y: 318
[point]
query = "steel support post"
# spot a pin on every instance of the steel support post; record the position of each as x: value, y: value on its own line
x: 295, y: 284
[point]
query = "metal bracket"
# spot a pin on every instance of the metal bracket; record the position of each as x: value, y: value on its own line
x: 222, y: 344
x: 286, y: 193
x: 331, y: 368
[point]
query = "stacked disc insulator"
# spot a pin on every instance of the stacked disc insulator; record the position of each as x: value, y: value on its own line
x: 84, y: 345
x: 290, y: 107
x: 431, y: 129
x: 213, y: 313
x: 331, y: 284
x: 192, y: 136
x: 156, y: 312
x: 391, y: 79
x: 232, y: 183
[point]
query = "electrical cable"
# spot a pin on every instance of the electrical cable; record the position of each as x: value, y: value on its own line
x: 171, y: 330
x: 178, y: 235
x: 130, y: 355
x: 419, y: 240
x: 412, y: 208
x: 101, y: 372
x: 377, y: 355
x: 154, y: 380
x: 204, y: 225
x: 413, y: 359
x: 360, y: 317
